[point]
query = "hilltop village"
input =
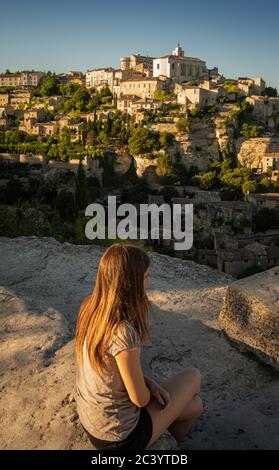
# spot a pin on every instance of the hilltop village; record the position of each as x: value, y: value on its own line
x: 158, y: 129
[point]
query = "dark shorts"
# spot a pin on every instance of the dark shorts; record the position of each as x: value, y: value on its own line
x: 136, y: 440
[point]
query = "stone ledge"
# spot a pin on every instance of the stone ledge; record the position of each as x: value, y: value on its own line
x: 250, y: 315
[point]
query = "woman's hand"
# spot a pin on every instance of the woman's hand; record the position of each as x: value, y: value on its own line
x: 158, y: 392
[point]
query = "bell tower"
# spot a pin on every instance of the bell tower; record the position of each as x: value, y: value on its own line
x: 178, y: 51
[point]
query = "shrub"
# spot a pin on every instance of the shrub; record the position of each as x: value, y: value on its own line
x: 182, y: 124
x: 141, y: 141
x: 249, y: 131
x: 165, y: 166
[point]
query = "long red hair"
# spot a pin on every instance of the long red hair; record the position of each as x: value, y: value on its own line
x: 118, y: 295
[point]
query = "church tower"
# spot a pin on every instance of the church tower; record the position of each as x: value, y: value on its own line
x: 178, y: 51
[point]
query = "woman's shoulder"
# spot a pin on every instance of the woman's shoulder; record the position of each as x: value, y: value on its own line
x: 126, y: 327
x: 125, y: 336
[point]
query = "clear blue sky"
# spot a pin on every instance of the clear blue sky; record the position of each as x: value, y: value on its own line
x: 240, y: 37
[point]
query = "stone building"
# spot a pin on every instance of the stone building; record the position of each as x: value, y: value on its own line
x: 16, y: 98
x: 132, y: 104
x: 270, y: 161
x: 192, y: 96
x: 45, y: 128
x: 25, y: 79
x: 6, y: 115
x: 274, y: 176
x: 74, y: 76
x: 36, y: 113
x: 143, y: 87
x: 4, y: 99
x: 139, y: 63
x: 101, y: 76
x: 20, y: 98
x: 253, y: 257
x: 179, y: 67
x: 73, y: 124
x: 201, y: 197
x: 110, y: 77
x: 265, y: 110
x: 264, y: 200
x: 251, y: 86
x: 9, y: 157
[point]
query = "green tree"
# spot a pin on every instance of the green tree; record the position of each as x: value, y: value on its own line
x: 49, y: 86
x: 105, y: 92
x: 195, y: 113
x: 141, y: 141
x: 165, y: 139
x: 163, y: 95
x: 182, y: 124
x: 81, y: 189
x: 69, y: 88
x: 136, y: 194
x: 265, y: 184
x: 207, y: 180
x: 93, y: 188
x: 169, y: 192
x: 13, y: 191
x: 270, y: 91
x: 65, y: 203
x: 234, y: 179
x: 230, y: 86
x: 266, y: 219
x: 249, y: 131
x: 250, y: 186
x: 165, y: 165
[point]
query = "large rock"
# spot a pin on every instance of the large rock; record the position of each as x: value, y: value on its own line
x: 43, y: 283
x: 250, y: 315
x: 122, y: 162
x: 251, y: 151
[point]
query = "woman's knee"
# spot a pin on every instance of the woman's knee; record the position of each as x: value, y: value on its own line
x: 198, y: 405
x: 194, y: 374
x: 194, y: 409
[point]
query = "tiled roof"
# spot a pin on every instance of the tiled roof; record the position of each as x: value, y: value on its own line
x: 194, y: 59
x: 141, y: 79
x: 106, y: 69
x: 129, y: 97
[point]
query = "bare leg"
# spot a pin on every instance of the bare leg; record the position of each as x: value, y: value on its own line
x: 180, y: 427
x: 183, y: 387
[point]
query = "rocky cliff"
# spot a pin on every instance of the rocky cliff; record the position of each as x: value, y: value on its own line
x: 42, y: 285
x: 252, y: 151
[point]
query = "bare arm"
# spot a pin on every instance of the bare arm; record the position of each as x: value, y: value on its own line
x: 161, y: 395
x: 131, y: 372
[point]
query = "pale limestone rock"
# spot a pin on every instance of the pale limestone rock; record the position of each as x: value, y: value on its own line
x: 252, y: 151
x: 143, y: 164
x: 122, y: 162
x: 250, y: 315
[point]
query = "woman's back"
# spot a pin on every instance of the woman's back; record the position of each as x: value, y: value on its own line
x: 104, y: 407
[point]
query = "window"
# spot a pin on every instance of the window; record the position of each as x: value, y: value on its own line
x: 158, y: 66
